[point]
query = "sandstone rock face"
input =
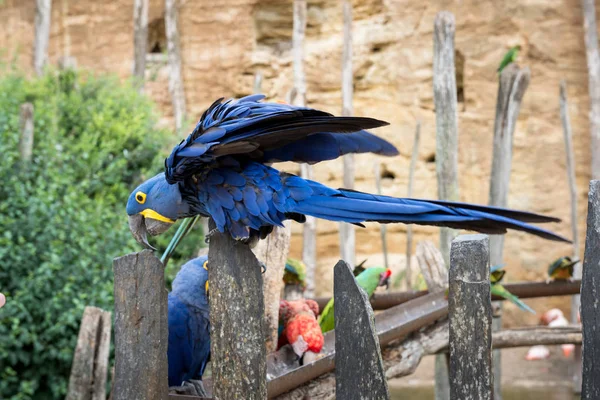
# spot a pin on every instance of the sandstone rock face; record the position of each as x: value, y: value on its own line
x: 225, y: 43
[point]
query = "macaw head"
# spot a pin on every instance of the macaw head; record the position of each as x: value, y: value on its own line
x: 153, y: 207
x: 191, y: 282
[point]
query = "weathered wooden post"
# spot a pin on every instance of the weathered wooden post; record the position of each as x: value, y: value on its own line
x: 359, y: 372
x: 511, y: 89
x: 238, y: 350
x: 382, y: 227
x: 90, y: 362
x: 140, y: 41
x: 26, y: 139
x: 470, y: 311
x: 409, y: 228
x: 174, y: 55
x: 43, y: 12
x: 446, y: 143
x: 141, y: 328
x: 590, y: 293
x: 575, y: 300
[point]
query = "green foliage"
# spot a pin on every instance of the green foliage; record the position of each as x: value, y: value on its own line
x: 62, y: 218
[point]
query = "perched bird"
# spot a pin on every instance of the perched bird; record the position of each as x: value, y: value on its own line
x: 298, y: 327
x: 358, y: 269
x: 294, y: 273
x: 562, y: 269
x: 220, y: 170
x: 189, y: 325
x: 496, y: 275
x: 368, y: 280
x: 509, y: 57
x: 555, y: 318
x: 537, y: 353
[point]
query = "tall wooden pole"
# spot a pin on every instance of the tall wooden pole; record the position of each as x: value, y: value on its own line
x: 446, y: 146
x: 593, y: 63
x: 575, y: 300
x: 140, y: 40
x: 409, y: 229
x: 347, y: 233
x: 309, y: 244
x: 174, y: 55
x: 43, y: 12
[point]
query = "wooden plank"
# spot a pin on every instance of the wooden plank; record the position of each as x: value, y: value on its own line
x: 140, y: 41
x: 409, y: 228
x: 593, y: 64
x: 513, y: 83
x: 347, y: 231
x: 141, y: 328
x: 43, y: 13
x: 359, y: 373
x: 470, y: 311
x: 26, y: 139
x: 237, y: 331
x: 174, y: 56
x: 90, y: 361
x: 590, y: 293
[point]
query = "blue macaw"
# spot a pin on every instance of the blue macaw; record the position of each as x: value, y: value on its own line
x: 189, y: 324
x: 220, y: 170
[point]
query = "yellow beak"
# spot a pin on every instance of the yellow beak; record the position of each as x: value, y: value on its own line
x: 148, y: 213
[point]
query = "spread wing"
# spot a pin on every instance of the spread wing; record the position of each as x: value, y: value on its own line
x: 271, y: 132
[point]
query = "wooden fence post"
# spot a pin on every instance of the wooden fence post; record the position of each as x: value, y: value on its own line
x: 590, y: 293
x: 141, y: 328
x: 140, y: 41
x: 43, y: 12
x: 359, y: 372
x: 26, y: 139
x: 174, y: 55
x: 470, y: 311
x: 238, y: 350
x: 512, y: 85
x: 409, y: 228
x: 382, y: 227
x: 90, y: 362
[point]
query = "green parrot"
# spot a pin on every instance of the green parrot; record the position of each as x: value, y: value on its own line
x: 369, y: 280
x: 509, y: 57
x: 496, y: 276
x: 359, y: 268
x: 562, y: 269
x: 294, y: 273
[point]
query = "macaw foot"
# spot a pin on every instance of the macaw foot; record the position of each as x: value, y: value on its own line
x: 548, y: 280
x: 198, y: 386
x: 209, y: 235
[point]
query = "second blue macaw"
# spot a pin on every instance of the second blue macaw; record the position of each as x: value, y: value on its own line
x: 189, y: 325
x: 221, y: 170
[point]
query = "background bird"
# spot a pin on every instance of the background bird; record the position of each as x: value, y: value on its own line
x: 220, y: 171
x: 509, y: 57
x: 496, y: 275
x: 369, y: 280
x: 189, y: 325
x: 561, y: 269
x: 294, y: 273
x: 298, y: 327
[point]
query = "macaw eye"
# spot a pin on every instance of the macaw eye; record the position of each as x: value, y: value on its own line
x: 205, y: 266
x: 140, y: 197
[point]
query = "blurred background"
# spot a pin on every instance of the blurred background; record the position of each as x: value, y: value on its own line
x: 97, y: 136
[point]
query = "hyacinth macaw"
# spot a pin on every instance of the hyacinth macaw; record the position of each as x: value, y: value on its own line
x: 220, y: 170
x: 562, y: 269
x: 496, y: 275
x: 369, y: 280
x: 189, y: 325
x: 298, y: 327
x: 509, y: 57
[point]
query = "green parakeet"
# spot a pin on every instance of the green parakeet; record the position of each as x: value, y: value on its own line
x: 562, y: 268
x: 496, y: 276
x: 368, y: 280
x: 294, y: 273
x: 509, y: 57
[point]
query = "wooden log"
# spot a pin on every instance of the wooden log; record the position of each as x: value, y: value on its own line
x: 43, y: 13
x: 140, y: 41
x: 90, y: 361
x: 590, y: 293
x: 536, y: 335
x: 174, y: 56
x: 141, y: 328
x: 409, y: 193
x: 593, y: 64
x: 470, y: 313
x: 273, y: 252
x: 238, y: 350
x: 26, y: 139
x: 347, y: 232
x: 359, y: 372
x: 446, y: 117
x: 511, y: 89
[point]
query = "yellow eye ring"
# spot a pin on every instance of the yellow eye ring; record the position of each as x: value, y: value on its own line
x: 205, y: 265
x: 140, y: 197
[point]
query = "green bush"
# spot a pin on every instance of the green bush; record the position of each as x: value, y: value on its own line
x: 62, y: 217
